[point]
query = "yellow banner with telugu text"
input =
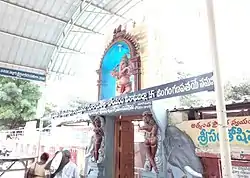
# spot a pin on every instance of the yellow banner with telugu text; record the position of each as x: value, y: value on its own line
x: 204, y: 133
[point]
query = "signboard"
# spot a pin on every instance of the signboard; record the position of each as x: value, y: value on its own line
x: 142, y: 99
x: 241, y: 169
x: 22, y: 74
x: 205, y: 133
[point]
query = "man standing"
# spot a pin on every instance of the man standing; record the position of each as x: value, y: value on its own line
x: 68, y: 168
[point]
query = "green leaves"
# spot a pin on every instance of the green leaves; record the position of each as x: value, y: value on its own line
x: 18, y: 101
x: 237, y: 92
x: 77, y: 103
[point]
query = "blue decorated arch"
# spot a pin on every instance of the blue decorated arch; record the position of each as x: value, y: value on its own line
x: 110, y: 60
x: 122, y: 44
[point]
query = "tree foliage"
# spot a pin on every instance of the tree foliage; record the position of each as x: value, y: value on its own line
x: 237, y: 92
x: 232, y: 91
x: 49, y: 108
x: 77, y: 103
x: 18, y: 101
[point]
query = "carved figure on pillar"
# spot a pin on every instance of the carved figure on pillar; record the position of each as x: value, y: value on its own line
x: 99, y: 134
x: 151, y: 129
x: 122, y: 73
x: 96, y: 149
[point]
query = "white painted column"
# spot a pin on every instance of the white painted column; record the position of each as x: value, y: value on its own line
x: 220, y: 103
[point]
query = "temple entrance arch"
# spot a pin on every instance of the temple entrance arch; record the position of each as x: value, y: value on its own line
x: 114, y: 81
x: 121, y: 101
x: 114, y: 126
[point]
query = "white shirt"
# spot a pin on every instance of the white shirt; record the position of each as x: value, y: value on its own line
x: 69, y: 171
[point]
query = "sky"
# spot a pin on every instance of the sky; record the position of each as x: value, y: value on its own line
x: 183, y: 24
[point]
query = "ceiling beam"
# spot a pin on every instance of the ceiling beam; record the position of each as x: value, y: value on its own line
x: 107, y: 10
x: 38, y: 41
x: 47, y: 15
x: 66, y: 31
x: 95, y: 12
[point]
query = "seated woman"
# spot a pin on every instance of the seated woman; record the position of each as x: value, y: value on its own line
x: 37, y: 169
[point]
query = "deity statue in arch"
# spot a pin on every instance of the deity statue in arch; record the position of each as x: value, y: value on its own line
x: 151, y: 129
x: 123, y: 73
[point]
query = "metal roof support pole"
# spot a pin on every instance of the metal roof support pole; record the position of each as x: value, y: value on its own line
x: 127, y: 20
x: 104, y: 13
x: 66, y: 31
x: 225, y: 152
x: 106, y: 10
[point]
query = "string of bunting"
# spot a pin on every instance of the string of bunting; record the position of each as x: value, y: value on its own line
x: 67, y: 113
x: 71, y: 117
x: 71, y: 120
x: 71, y: 112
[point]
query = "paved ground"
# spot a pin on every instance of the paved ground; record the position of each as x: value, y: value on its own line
x: 16, y: 174
x: 19, y: 174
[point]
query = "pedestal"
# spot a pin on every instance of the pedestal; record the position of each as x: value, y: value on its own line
x: 94, y: 170
x: 146, y: 174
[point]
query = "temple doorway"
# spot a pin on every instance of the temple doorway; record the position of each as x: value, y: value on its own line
x: 120, y: 73
x: 129, y: 149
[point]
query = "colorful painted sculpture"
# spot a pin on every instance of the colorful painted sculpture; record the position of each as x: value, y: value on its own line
x: 122, y: 73
x: 151, y: 129
x: 98, y: 136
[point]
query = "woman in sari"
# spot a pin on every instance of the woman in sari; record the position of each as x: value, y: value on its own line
x: 37, y: 169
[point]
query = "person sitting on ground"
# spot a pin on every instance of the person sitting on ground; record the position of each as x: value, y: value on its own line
x: 37, y: 169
